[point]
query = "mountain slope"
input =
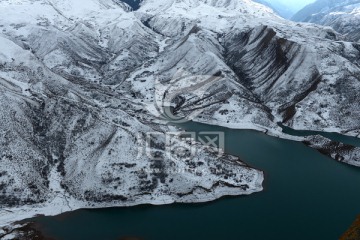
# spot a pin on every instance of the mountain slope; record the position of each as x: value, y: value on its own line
x: 83, y: 83
x: 66, y: 125
x: 279, y: 69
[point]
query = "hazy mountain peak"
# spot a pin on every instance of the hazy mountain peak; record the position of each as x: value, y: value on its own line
x: 343, y: 16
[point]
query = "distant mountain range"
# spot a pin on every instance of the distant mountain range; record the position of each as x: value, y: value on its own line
x: 343, y: 16
x: 279, y: 8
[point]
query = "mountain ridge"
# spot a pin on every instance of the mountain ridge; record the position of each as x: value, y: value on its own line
x: 81, y: 81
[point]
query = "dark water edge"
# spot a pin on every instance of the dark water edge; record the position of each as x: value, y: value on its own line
x: 337, y: 137
x: 307, y: 196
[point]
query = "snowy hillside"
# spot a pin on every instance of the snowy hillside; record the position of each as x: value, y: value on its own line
x: 67, y: 120
x: 81, y: 81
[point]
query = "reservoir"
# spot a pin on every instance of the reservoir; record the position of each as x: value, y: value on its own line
x: 307, y: 196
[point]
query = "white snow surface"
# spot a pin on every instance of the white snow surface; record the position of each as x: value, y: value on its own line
x: 80, y: 80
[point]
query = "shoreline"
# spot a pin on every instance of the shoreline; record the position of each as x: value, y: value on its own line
x: 51, y: 209
x: 26, y: 213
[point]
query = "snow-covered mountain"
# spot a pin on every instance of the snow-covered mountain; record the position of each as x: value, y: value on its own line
x: 272, y: 68
x: 81, y: 80
x: 343, y: 16
x: 278, y: 7
x: 285, y: 8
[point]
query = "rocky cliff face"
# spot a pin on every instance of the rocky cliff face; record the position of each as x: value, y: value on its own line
x: 81, y: 81
x: 343, y: 16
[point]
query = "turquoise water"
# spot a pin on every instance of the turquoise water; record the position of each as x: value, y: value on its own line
x: 307, y: 196
x: 333, y: 136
